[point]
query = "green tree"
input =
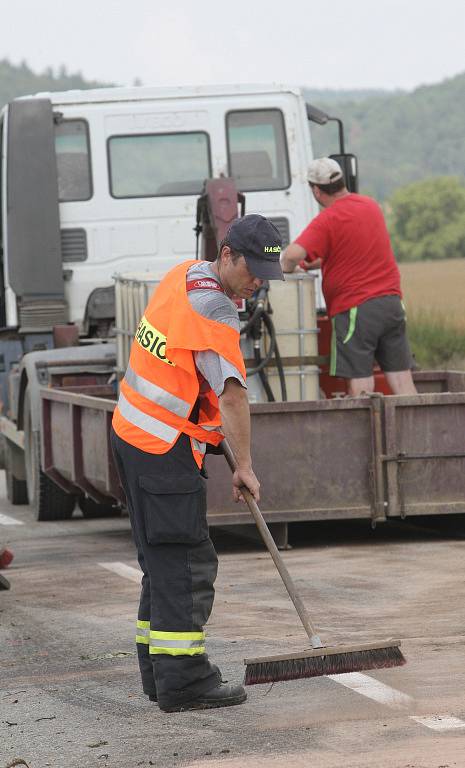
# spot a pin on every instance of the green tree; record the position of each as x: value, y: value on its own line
x: 426, y: 219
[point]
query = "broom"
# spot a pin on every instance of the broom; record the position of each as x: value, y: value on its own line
x: 319, y: 659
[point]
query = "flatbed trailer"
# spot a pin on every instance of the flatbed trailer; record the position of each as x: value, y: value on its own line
x: 399, y: 456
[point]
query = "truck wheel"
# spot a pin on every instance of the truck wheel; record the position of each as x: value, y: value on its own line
x: 16, y: 490
x: 92, y: 510
x: 46, y: 498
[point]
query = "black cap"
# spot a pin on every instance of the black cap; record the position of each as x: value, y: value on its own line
x: 258, y: 240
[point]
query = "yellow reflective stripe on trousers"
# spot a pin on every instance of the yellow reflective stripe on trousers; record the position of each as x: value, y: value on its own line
x: 177, y: 643
x: 156, y: 394
x: 332, y: 365
x: 145, y: 422
x: 352, y: 321
x: 143, y: 632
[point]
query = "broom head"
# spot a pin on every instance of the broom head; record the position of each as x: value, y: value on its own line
x: 333, y: 660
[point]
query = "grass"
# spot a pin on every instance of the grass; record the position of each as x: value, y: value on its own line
x: 436, y: 288
x: 434, y: 297
x: 435, y: 342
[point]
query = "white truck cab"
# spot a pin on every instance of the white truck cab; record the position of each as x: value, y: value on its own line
x: 131, y: 163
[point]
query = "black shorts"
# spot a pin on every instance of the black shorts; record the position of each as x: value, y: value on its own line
x: 375, y: 330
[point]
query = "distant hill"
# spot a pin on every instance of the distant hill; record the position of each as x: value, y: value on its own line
x: 21, y: 81
x: 401, y: 137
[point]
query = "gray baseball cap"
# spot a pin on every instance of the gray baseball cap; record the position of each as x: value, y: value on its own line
x: 324, y: 170
x: 259, y: 241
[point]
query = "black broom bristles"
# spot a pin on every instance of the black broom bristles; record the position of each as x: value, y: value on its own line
x: 317, y: 664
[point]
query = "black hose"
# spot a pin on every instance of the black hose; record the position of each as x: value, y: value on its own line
x: 263, y: 362
x: 258, y: 315
x: 263, y: 376
x: 259, y: 309
x: 282, y: 379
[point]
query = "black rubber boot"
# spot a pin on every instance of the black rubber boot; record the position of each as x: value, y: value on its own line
x: 223, y: 695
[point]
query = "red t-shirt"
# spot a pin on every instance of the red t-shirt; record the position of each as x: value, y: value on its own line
x: 351, y: 239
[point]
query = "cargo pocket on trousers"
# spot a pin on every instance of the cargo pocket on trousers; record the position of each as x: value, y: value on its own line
x: 175, y: 509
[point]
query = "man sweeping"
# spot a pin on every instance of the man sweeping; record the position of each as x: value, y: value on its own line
x: 185, y: 389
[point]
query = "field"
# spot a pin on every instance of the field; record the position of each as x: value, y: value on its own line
x: 434, y: 294
x: 435, y: 288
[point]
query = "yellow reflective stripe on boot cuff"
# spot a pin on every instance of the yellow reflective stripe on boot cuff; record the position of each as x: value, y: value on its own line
x: 144, y: 639
x: 177, y: 651
x: 143, y: 632
x: 177, y: 643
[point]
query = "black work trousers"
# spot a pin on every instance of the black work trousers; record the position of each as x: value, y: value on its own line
x: 166, y: 498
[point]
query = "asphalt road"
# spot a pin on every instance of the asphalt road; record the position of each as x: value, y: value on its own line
x: 69, y: 687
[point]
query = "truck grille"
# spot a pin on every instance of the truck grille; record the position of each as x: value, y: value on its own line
x: 282, y: 225
x: 73, y: 244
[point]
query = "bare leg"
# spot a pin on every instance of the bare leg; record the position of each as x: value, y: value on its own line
x: 401, y: 382
x: 359, y: 387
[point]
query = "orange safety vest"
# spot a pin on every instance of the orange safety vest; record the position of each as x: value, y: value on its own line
x: 162, y: 384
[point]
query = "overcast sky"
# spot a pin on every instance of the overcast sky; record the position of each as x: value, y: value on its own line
x: 324, y: 44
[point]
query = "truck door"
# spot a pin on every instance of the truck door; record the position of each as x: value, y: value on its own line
x: 155, y: 176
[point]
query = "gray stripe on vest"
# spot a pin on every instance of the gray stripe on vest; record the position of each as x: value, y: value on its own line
x: 200, y: 447
x: 145, y: 422
x: 156, y: 394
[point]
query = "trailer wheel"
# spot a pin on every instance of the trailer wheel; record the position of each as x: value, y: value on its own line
x: 92, y: 509
x: 46, y: 498
x: 16, y: 490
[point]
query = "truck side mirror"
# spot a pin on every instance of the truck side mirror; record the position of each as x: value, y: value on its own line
x: 348, y: 163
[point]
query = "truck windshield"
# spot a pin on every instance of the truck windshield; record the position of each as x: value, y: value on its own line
x: 73, y: 160
x: 157, y: 165
x: 257, y: 149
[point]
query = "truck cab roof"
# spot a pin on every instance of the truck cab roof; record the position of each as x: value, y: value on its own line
x: 149, y: 93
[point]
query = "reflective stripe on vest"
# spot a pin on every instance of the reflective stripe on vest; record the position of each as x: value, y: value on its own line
x: 177, y: 643
x: 156, y: 398
x: 200, y: 447
x: 145, y: 422
x: 143, y: 632
x: 156, y: 394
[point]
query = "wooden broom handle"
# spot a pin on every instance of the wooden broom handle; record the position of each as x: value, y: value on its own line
x: 274, y: 552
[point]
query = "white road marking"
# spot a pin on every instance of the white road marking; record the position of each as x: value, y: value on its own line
x: 356, y: 681
x: 373, y: 689
x: 126, y: 571
x: 437, y: 723
x: 384, y: 694
x: 7, y: 520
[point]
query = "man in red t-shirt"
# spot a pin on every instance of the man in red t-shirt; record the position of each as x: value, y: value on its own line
x: 361, y: 282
